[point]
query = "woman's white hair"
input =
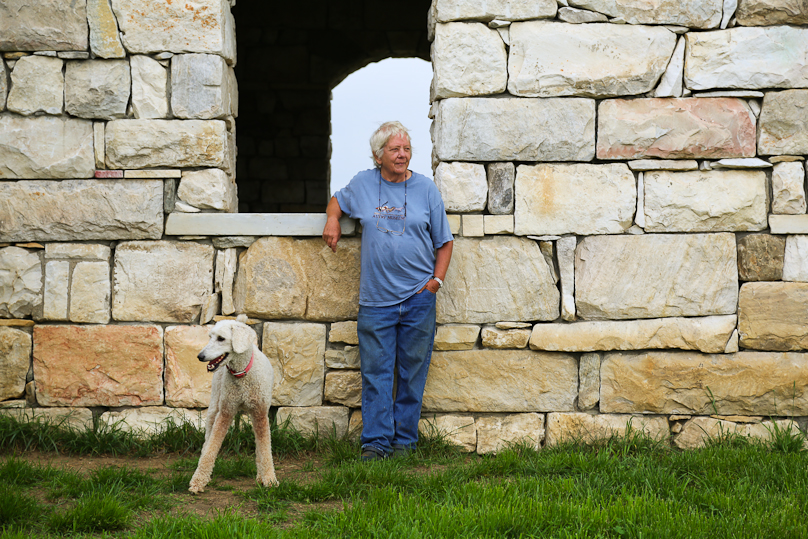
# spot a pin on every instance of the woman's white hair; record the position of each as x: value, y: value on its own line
x: 380, y: 138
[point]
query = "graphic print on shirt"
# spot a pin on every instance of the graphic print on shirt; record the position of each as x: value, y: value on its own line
x: 383, y: 211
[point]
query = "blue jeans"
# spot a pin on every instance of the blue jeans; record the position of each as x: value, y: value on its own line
x: 394, y: 338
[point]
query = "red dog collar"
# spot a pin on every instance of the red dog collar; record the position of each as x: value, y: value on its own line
x: 245, y: 371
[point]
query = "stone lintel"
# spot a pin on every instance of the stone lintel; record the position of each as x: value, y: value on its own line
x: 251, y: 224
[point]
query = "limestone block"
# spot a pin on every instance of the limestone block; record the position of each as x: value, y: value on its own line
x: 746, y: 383
x: 104, y: 39
x: 771, y: 316
x: 188, y: 382
x: 90, y: 293
x: 161, y: 281
x: 468, y: 59
x: 75, y: 210
x: 588, y: 381
x: 686, y: 128
x: 3, y: 85
x: 788, y: 188
x: 463, y: 186
x: 15, y: 359
x: 497, y: 224
x: 78, y: 251
x: 456, y: 337
x: 574, y: 199
x: 548, y: 59
x: 320, y: 421
x: 788, y: 224
x: 494, y: 337
x: 70, y: 418
x: 565, y: 250
x: 663, y: 164
x: 783, y: 123
x: 97, y: 88
x: 37, y: 85
x: 500, y: 431
x: 20, y: 282
x: 343, y: 332
x: 228, y: 263
x: 580, y: 16
x: 501, y: 381
x: 454, y: 224
x: 208, y: 189
x: 747, y: 58
x: 33, y: 26
x: 281, y: 278
x: 699, y: 431
x: 456, y: 429
x: 473, y: 225
x: 344, y: 387
x: 210, y: 308
x: 347, y: 358
x: 297, y: 353
x: 149, y: 87
x: 771, y: 12
x: 702, y: 15
x: 492, y: 129
x: 150, y: 420
x: 795, y: 262
x: 671, y: 84
x: 497, y: 278
x: 501, y: 178
x: 708, y: 334
x: 55, y: 294
x: 760, y: 257
x: 586, y: 428
x: 457, y: 10
x: 655, y: 275
x: 98, y: 365
x: 202, y: 87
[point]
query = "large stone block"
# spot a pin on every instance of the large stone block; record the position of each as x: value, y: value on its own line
x: 150, y: 420
x: 771, y: 12
x: 456, y: 337
x: 188, y: 382
x: 81, y: 210
x: 320, y: 421
x: 20, y: 282
x: 771, y: 316
x: 98, y: 365
x: 574, y: 199
x: 686, y: 128
x: 97, y: 88
x: 104, y: 39
x: 500, y: 431
x: 281, y: 278
x: 703, y: 14
x: 149, y: 87
x: 468, y: 59
x: 458, y: 430
x: 457, y: 10
x: 747, y: 58
x: 297, y: 354
x: 15, y: 359
x: 90, y: 293
x: 788, y: 188
x: 760, y: 257
x: 492, y: 129
x: 65, y: 417
x: 208, y: 189
x: 501, y: 381
x: 50, y: 25
x: 745, y: 383
x: 344, y: 387
x: 656, y: 275
x: 37, y: 85
x: 548, y: 59
x: 700, y: 431
x: 463, y: 186
x: 501, y: 177
x: 784, y: 123
x: 586, y: 428
x: 202, y: 87
x: 498, y: 278
x: 161, y: 281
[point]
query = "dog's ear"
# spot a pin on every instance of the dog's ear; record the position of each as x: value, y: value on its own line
x: 242, y: 338
x: 242, y: 318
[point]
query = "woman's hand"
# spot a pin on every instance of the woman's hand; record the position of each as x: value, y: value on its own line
x: 432, y: 285
x: 332, y: 231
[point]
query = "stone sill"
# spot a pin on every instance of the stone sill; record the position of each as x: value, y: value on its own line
x: 788, y: 224
x: 251, y: 224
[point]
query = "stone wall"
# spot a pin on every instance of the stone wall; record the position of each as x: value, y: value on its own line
x: 626, y: 186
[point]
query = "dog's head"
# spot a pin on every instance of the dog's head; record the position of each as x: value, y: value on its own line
x: 227, y: 337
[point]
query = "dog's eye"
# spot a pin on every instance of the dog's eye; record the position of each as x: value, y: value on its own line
x: 219, y: 338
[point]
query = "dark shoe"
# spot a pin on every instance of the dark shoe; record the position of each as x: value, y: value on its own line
x: 369, y: 454
x: 401, y: 451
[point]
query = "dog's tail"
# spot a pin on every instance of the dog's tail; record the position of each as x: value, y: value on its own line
x: 242, y: 318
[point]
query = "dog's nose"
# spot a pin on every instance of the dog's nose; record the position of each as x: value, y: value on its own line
x: 199, y: 357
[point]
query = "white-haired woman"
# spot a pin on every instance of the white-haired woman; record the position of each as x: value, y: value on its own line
x: 406, y: 250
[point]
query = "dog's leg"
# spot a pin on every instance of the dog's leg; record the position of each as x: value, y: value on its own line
x: 263, y: 448
x: 215, y: 437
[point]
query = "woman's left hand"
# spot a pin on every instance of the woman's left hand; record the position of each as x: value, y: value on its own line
x: 431, y: 285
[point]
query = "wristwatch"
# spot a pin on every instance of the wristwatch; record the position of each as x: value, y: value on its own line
x: 440, y: 281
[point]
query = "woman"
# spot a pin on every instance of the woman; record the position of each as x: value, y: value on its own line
x: 406, y: 250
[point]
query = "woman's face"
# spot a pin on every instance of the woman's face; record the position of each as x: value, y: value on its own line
x: 396, y: 156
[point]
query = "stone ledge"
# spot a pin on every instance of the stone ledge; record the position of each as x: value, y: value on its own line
x: 251, y: 224
x: 788, y: 224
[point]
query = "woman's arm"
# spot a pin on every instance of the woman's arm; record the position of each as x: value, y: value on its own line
x: 332, y: 230
x: 443, y: 255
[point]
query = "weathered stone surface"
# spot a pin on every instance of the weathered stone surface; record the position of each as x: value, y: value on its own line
x: 771, y: 316
x: 73, y: 210
x: 104, y: 39
x: 20, y: 282
x: 281, y: 278
x: 37, y: 85
x: 344, y: 387
x: 297, y: 353
x: 501, y: 381
x: 90, y: 293
x: 709, y: 334
x: 497, y: 224
x: 456, y: 337
x: 50, y: 25
x: 788, y: 224
x: 208, y: 189
x: 15, y: 358
x: 98, y: 365
x: 210, y: 307
x: 577, y: 427
x: 74, y: 418
x: 501, y: 178
x: 347, y: 358
x: 463, y: 186
x: 760, y: 257
x: 226, y: 265
x: 202, y: 87
x: 498, y: 432
x: 565, y: 251
x: 468, y: 59
x: 161, y: 281
x: 784, y: 123
x: 473, y: 225
x: 149, y: 87
x: 499, y: 278
x: 491, y: 129
x: 574, y: 199
x: 3, y: 85
x: 548, y: 59
x: 795, y: 262
x: 188, y: 382
x: 588, y: 381
x: 693, y: 383
x: 455, y: 10
x: 747, y: 58
x: 671, y: 84
x: 323, y: 421
x: 78, y: 251
x: 699, y: 431
x: 97, y: 88
x: 455, y: 429
x: 343, y: 332
x: 686, y: 128
x: 771, y: 12
x: 150, y: 420
x: 663, y: 164
x: 494, y: 337
x: 55, y: 294
x: 657, y: 275
x: 580, y: 16
x: 788, y: 188
x: 706, y: 201
x: 44, y: 147
x: 739, y: 163
x: 703, y: 15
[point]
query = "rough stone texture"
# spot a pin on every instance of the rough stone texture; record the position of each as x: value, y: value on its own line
x: 473, y: 225
x: 699, y: 431
x: 347, y: 358
x: 98, y: 365
x: 30, y: 26
x: 297, y: 353
x: 501, y: 178
x: 343, y: 332
x: 491, y: 129
x: 580, y: 16
x: 548, y: 59
x: 187, y: 380
x: 498, y: 432
x: 693, y: 383
x: 705, y: 201
x: 15, y: 358
x: 686, y: 128
x: 497, y: 224
x: 795, y: 262
x: 663, y: 164
x: 202, y: 87
x: 208, y: 189
x: 97, y: 88
x: 498, y: 278
x: 504, y: 10
x: 747, y: 58
x: 784, y: 123
x: 74, y: 210
x: 45, y: 147
x: 149, y: 87
x: 323, y: 421
x: 588, y: 381
x: 37, y: 85
x: 656, y: 275
x: 78, y: 251
x: 574, y: 199
x: 672, y: 82
x: 565, y: 250
x: 456, y: 337
x: 706, y: 14
x: 771, y: 316
x: 74, y: 418
x: 494, y: 337
x: 281, y: 278
x: 468, y: 59
x: 463, y: 186
x: 709, y: 334
x: 104, y: 39
x: 788, y: 224
x: 501, y: 381
x: 587, y: 428
x: 227, y: 265
x: 20, y: 282
x: 788, y: 188
x: 89, y: 293
x: 3, y: 85
x: 771, y: 12
x: 760, y: 257
x: 55, y: 294
x: 151, y: 420
x: 456, y: 429
x: 344, y: 387
x: 161, y: 281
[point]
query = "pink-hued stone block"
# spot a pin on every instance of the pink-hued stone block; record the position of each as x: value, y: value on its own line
x: 187, y: 380
x: 109, y: 174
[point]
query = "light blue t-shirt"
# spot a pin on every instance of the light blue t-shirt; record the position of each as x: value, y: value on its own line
x: 395, y: 265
